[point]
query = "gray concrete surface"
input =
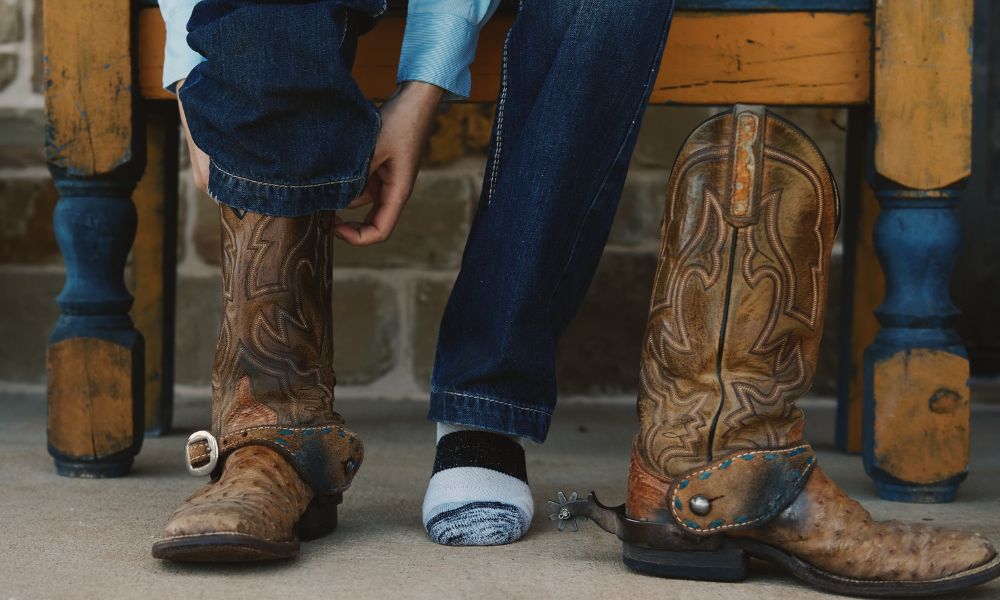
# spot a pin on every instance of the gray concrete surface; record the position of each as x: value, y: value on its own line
x: 74, y: 538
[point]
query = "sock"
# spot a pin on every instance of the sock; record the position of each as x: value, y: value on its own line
x: 478, y: 494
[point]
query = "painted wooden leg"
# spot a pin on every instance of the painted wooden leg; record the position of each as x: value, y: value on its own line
x: 916, y: 421
x: 95, y: 355
x: 916, y: 411
x: 154, y: 261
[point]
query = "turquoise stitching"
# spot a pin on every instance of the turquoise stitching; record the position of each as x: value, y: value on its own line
x: 793, y: 476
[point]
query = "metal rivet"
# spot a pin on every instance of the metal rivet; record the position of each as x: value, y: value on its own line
x: 564, y: 514
x: 700, y: 505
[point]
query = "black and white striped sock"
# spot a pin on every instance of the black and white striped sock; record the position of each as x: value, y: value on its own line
x: 478, y: 494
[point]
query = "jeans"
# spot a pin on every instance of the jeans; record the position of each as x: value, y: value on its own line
x: 275, y: 106
x: 576, y: 78
x: 289, y: 133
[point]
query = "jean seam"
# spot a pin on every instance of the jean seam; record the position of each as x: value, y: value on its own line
x: 500, y: 106
x: 576, y: 239
x: 279, y: 185
x: 494, y: 400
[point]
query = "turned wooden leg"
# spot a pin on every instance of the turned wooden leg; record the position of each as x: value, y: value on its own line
x: 95, y: 355
x: 916, y: 406
x: 916, y: 421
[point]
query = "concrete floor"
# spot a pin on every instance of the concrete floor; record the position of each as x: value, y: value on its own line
x: 75, y: 538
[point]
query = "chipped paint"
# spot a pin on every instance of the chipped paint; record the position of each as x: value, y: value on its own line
x: 923, y: 96
x: 88, y: 70
x: 922, y: 415
x: 90, y: 398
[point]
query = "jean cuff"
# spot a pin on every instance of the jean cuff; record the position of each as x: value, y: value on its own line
x: 491, y: 414
x: 279, y: 200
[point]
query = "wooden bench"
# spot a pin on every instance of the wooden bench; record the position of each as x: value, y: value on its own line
x: 904, y: 70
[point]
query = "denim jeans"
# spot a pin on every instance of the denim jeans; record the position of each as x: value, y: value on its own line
x: 289, y: 133
x: 275, y: 106
x: 577, y: 75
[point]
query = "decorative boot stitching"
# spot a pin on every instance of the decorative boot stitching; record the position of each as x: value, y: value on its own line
x: 776, y: 296
x: 275, y: 354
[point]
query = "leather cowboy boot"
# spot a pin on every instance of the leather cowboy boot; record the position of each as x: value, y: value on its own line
x: 719, y: 468
x: 279, y: 456
x: 731, y: 343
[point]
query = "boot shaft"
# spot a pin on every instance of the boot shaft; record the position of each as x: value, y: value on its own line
x: 274, y: 361
x: 738, y: 301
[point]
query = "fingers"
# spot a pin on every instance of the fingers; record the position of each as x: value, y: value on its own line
x: 373, y: 187
x: 379, y: 223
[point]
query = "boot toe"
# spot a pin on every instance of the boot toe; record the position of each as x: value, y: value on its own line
x: 959, y: 552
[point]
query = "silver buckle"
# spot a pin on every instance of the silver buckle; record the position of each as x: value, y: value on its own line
x: 213, y: 453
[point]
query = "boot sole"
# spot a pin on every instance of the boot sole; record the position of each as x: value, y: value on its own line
x: 318, y: 520
x: 729, y: 564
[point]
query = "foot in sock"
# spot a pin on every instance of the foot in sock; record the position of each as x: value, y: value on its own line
x: 478, y: 494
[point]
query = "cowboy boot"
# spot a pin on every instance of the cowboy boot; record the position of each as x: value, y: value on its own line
x: 731, y: 343
x: 279, y: 456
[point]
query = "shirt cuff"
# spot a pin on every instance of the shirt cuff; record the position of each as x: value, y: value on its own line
x: 178, y: 58
x: 438, y: 49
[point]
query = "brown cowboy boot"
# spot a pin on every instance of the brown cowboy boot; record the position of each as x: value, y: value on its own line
x: 278, y: 454
x: 719, y: 470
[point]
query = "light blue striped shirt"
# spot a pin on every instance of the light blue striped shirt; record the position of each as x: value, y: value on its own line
x: 438, y: 46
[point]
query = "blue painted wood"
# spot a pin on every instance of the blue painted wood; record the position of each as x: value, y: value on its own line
x: 916, y: 238
x: 95, y: 224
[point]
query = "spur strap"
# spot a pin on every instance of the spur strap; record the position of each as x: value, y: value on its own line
x: 326, y: 456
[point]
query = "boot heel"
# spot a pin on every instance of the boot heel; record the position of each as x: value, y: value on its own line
x: 725, y: 564
x: 320, y: 518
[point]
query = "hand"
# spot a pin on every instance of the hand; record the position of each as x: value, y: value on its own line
x: 406, y: 124
x: 199, y: 160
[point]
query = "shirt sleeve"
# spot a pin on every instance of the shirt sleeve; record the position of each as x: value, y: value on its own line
x: 178, y: 57
x: 440, y: 42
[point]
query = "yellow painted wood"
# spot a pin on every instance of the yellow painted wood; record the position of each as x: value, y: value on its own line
x: 148, y: 262
x: 779, y: 58
x: 90, y: 398
x: 152, y: 39
x: 923, y: 91
x: 869, y: 292
x: 790, y: 58
x: 922, y: 415
x: 88, y: 100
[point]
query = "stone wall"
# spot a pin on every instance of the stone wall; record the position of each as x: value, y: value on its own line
x: 388, y: 299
